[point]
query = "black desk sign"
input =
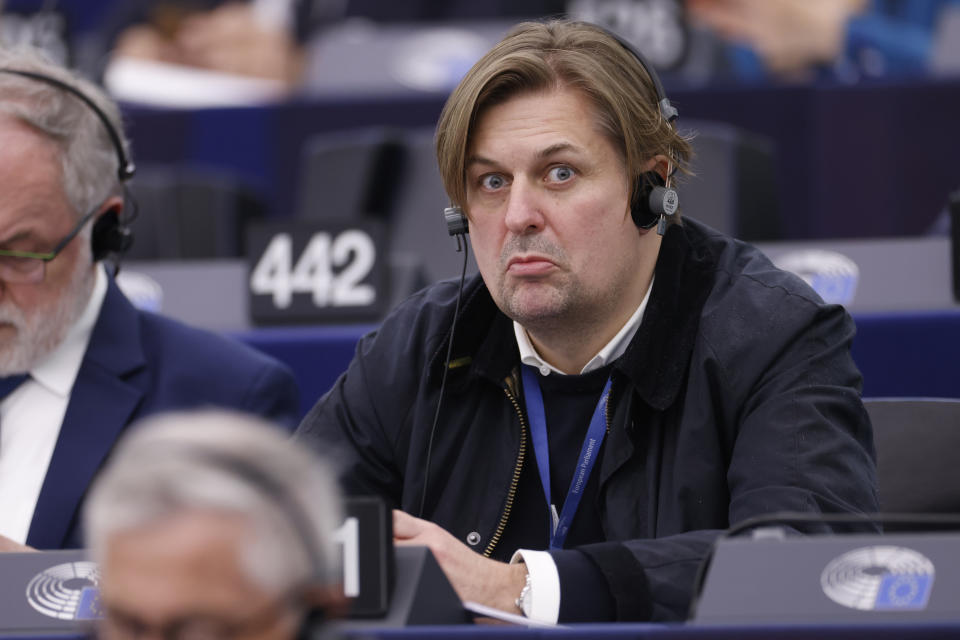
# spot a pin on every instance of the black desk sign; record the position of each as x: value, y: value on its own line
x: 48, y: 592
x: 366, y: 536
x: 387, y: 586
x: 316, y: 271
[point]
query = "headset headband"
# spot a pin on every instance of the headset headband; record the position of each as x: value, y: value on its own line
x: 126, y: 168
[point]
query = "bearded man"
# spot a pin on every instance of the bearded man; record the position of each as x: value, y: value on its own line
x: 78, y: 362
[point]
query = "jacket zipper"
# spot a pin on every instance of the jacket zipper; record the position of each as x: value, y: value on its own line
x: 514, y: 481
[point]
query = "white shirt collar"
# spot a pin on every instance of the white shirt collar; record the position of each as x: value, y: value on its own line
x: 59, y: 369
x: 610, y: 352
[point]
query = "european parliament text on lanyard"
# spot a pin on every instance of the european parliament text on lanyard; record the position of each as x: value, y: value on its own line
x: 560, y: 524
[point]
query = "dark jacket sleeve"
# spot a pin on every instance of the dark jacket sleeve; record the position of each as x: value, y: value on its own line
x: 783, y: 392
x: 364, y: 422
x: 274, y: 394
x: 347, y: 424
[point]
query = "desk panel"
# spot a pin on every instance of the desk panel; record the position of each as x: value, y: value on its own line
x: 670, y: 632
x: 633, y: 631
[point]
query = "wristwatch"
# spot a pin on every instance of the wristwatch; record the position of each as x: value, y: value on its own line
x: 524, y: 601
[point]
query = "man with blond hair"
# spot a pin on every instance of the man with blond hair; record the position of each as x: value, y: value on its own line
x: 617, y: 386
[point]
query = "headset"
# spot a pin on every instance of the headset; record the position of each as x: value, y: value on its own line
x: 297, y: 517
x: 111, y: 233
x: 652, y: 199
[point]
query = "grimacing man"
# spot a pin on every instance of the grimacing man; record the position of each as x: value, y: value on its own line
x: 614, y: 398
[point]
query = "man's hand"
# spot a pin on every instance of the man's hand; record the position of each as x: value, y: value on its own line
x: 230, y: 38
x: 495, y: 584
x: 8, y: 545
x: 789, y: 35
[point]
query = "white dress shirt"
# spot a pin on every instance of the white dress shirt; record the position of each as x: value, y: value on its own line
x: 544, y: 579
x: 30, y: 419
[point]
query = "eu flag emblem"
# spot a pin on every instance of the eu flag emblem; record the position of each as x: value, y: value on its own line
x: 904, y: 591
x: 89, y: 607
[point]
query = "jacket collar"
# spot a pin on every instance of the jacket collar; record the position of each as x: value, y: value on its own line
x: 657, y: 358
x: 104, y: 396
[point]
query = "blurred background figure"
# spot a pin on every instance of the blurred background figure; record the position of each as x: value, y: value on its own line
x: 246, y: 50
x: 257, y: 50
x: 202, y: 52
x: 704, y: 41
x: 214, y: 525
x: 253, y: 38
x: 192, y: 53
x: 847, y: 40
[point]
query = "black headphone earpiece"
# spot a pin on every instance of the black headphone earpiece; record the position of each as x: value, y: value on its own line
x: 456, y: 220
x: 651, y: 200
x: 109, y: 236
x: 111, y: 232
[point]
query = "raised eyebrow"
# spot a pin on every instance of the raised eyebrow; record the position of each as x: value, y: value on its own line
x: 555, y: 149
x: 544, y: 153
x: 475, y: 159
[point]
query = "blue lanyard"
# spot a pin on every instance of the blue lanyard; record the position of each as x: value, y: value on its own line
x: 560, y: 525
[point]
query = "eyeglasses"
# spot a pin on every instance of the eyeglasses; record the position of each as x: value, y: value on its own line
x: 30, y: 267
x: 121, y: 626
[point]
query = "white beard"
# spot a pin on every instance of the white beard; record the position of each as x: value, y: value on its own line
x: 42, y: 330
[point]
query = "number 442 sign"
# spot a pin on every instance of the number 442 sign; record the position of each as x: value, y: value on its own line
x: 316, y: 271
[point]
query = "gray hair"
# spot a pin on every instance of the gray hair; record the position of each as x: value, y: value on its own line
x: 88, y: 157
x: 230, y: 463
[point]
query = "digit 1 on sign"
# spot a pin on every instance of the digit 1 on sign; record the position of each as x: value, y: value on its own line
x: 349, y: 536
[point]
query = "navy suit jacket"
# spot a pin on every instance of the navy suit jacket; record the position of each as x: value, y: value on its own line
x: 139, y: 363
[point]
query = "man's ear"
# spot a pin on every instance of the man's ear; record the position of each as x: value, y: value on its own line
x: 113, y: 203
x: 110, y: 236
x: 659, y: 163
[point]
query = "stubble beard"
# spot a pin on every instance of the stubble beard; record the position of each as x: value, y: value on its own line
x: 543, y: 304
x: 560, y: 307
x: 41, y: 330
x: 538, y: 305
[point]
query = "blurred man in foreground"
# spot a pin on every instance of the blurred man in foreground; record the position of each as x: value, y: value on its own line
x: 214, y: 525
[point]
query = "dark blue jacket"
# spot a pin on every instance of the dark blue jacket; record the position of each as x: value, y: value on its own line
x: 737, y: 397
x: 136, y: 364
